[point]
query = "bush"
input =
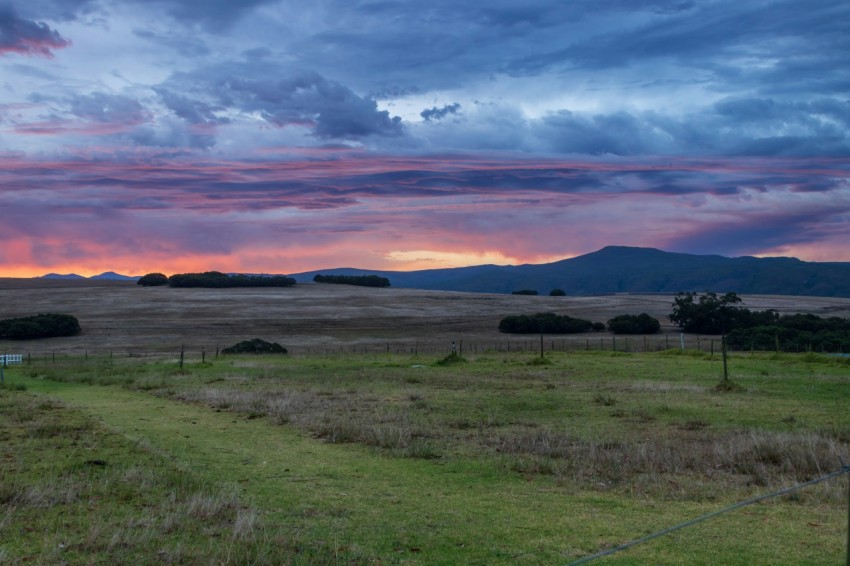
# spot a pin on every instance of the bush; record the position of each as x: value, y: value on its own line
x: 557, y: 293
x: 361, y: 280
x: 524, y: 292
x: 152, y: 280
x: 255, y: 346
x: 544, y: 323
x: 48, y: 325
x: 451, y: 359
x: 634, y: 324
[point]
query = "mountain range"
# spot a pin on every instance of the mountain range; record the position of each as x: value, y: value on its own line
x: 108, y: 275
x: 617, y: 269
x: 621, y: 269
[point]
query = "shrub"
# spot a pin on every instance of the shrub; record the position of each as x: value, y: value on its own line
x: 451, y: 359
x: 152, y: 280
x: 634, y: 324
x: 255, y: 346
x: 39, y: 326
x: 557, y: 293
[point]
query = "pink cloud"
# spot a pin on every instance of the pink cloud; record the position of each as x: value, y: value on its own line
x: 321, y: 208
x: 26, y: 37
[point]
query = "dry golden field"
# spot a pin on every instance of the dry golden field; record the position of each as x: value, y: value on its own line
x: 123, y: 317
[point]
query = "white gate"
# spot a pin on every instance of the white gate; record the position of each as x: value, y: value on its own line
x: 9, y: 359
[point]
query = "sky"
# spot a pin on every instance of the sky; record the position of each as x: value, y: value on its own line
x: 278, y: 136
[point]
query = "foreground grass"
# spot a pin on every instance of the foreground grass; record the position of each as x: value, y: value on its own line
x: 500, y: 459
x: 73, y: 492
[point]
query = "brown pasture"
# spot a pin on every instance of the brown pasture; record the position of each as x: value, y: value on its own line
x: 123, y: 317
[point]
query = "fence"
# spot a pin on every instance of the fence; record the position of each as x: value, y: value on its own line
x: 9, y: 359
x: 438, y: 346
x: 840, y: 472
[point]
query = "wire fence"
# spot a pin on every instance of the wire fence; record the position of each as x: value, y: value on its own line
x: 415, y: 347
x: 843, y: 470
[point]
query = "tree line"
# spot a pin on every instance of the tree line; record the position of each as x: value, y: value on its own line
x: 711, y: 314
x: 48, y: 325
x: 551, y: 323
x: 361, y: 280
x: 215, y: 279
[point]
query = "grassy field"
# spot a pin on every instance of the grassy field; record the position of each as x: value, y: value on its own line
x: 313, y: 319
x: 498, y: 458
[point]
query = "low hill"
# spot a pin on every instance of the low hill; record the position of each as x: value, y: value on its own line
x: 621, y: 269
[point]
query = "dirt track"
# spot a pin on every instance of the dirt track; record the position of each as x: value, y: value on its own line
x: 117, y: 316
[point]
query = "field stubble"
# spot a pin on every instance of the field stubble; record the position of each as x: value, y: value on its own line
x: 123, y: 317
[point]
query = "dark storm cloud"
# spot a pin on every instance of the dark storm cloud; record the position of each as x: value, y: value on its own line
x: 439, y: 113
x: 329, y: 109
x: 27, y: 37
x: 748, y: 126
x: 768, y: 229
x: 193, y: 111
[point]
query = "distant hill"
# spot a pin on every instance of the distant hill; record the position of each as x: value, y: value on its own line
x: 111, y: 275
x: 621, y: 269
x: 61, y: 276
x: 108, y: 275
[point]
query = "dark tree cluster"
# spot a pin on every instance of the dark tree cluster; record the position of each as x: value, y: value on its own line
x: 545, y: 323
x: 361, y: 280
x: 759, y: 330
x: 255, y: 346
x: 152, y: 280
x: 797, y: 332
x: 710, y: 313
x: 634, y: 324
x: 47, y: 325
x: 524, y: 292
x: 557, y: 293
x: 216, y: 279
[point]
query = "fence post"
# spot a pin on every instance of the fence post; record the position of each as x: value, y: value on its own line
x: 181, y: 357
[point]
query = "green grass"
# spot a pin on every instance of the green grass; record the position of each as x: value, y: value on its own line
x: 499, y: 459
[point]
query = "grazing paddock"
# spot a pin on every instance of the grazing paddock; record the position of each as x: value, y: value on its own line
x: 348, y: 450
x: 495, y: 459
x: 311, y: 319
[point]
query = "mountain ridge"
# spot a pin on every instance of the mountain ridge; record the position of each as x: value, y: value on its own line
x: 614, y: 269
x: 626, y: 269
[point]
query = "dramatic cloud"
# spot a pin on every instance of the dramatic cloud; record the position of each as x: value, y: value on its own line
x: 274, y: 135
x: 27, y: 37
x: 327, y: 108
x: 439, y: 113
